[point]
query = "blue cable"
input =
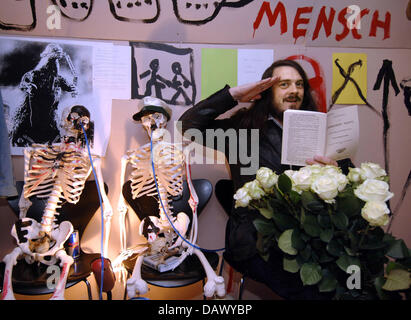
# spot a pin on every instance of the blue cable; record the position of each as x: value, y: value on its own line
x: 161, y: 202
x: 101, y: 210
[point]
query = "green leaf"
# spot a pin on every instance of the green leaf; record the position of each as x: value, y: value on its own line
x: 326, y: 235
x: 284, y: 183
x: 324, y: 257
x: 296, y: 240
x: 264, y: 227
x: 391, y: 265
x: 345, y: 261
x: 291, y: 265
x: 398, y: 250
x: 397, y: 279
x: 295, y: 197
x: 311, y: 202
x: 310, y: 226
x: 285, y: 221
x: 285, y: 243
x: 324, y: 221
x: 306, y: 253
x: 328, y: 282
x: 349, y: 204
x: 378, y: 283
x: 310, y: 273
x: 335, y: 248
x: 340, y: 220
x: 267, y: 213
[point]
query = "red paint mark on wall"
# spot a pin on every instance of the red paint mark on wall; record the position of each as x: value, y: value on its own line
x: 324, y: 20
x: 272, y: 16
x: 300, y: 20
x: 317, y: 83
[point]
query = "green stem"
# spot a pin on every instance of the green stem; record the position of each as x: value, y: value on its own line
x: 363, y: 236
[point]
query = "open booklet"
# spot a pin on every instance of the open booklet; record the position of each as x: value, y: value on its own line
x: 308, y: 133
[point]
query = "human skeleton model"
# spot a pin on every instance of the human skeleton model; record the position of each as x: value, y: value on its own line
x: 161, y: 237
x: 57, y: 173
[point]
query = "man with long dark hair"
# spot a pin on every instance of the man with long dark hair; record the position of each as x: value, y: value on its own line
x: 284, y: 85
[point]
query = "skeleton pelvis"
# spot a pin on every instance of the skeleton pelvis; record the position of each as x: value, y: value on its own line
x: 37, y: 244
x: 151, y: 227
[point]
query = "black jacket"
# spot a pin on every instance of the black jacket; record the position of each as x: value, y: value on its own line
x: 241, y: 235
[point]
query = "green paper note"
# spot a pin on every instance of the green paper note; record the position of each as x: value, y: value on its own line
x: 218, y: 68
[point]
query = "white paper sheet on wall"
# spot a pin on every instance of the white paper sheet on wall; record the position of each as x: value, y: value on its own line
x: 112, y: 70
x: 252, y: 63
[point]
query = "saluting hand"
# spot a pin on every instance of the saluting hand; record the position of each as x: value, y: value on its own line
x: 252, y: 91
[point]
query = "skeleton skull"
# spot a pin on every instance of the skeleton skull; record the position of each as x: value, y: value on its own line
x: 154, y: 124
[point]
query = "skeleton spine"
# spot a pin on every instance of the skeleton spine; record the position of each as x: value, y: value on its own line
x: 50, y: 210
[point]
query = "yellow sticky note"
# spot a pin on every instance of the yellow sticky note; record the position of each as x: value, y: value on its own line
x: 218, y: 68
x: 349, y: 84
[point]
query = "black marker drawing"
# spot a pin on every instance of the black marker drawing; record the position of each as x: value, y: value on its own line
x: 75, y: 10
x: 347, y: 77
x: 199, y: 12
x: 38, y: 80
x: 146, y: 11
x: 163, y: 71
x: 399, y: 203
x: 386, y: 73
x: 156, y: 81
x: 406, y: 86
x: 26, y: 19
x: 176, y: 84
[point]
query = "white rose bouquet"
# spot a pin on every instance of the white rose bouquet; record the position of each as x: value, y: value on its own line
x: 328, y: 226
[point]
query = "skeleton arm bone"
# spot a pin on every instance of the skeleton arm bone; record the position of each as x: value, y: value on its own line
x: 25, y: 203
x: 108, y: 210
x: 121, y: 205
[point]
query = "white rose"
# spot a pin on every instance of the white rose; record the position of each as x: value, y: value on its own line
x: 315, y: 168
x: 342, y: 181
x: 335, y: 173
x: 303, y: 179
x: 354, y: 175
x: 326, y: 187
x: 371, y: 170
x: 331, y: 170
x: 373, y: 190
x: 254, y: 189
x: 266, y: 177
x: 242, y: 198
x: 291, y: 174
x: 376, y: 213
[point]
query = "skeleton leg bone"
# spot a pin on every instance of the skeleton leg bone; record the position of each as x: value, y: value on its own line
x: 10, y: 260
x: 215, y: 284
x: 66, y: 262
x: 136, y: 285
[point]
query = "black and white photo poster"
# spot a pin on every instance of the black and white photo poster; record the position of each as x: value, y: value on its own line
x: 39, y: 79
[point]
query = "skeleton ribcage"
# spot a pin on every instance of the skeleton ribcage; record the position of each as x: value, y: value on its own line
x: 51, y: 165
x: 169, y: 168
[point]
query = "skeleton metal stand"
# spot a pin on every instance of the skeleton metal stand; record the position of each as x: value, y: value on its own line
x: 165, y: 234
x: 57, y: 173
